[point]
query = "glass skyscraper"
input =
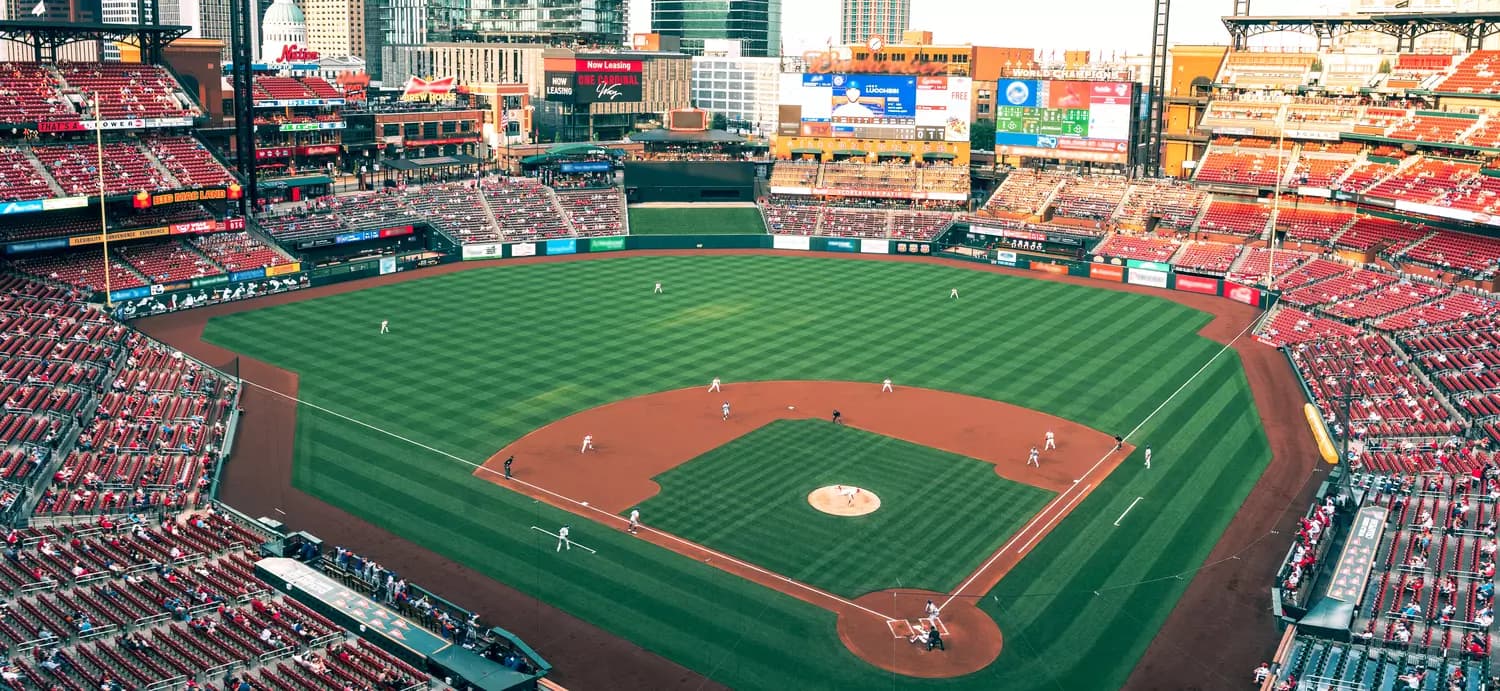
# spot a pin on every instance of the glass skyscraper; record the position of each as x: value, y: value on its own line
x: 756, y: 24
x: 861, y: 19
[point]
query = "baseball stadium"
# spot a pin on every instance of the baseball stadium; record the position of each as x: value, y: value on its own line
x: 994, y: 373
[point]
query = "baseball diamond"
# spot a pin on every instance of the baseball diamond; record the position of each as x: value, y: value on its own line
x: 496, y: 362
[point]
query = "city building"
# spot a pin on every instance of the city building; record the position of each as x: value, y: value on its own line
x: 755, y: 24
x: 742, y: 89
x: 1434, y: 42
x: 471, y: 64
x: 586, y: 22
x: 983, y: 64
x: 593, y: 96
x: 284, y: 27
x: 379, y: 131
x: 860, y: 20
x: 335, y: 27
x: 188, y: 13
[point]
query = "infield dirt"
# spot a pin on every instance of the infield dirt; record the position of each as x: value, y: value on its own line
x: 1219, y: 630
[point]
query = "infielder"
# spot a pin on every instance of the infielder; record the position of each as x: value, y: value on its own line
x: 1033, y: 458
x: 385, y: 326
x: 658, y: 290
x: 1051, y: 441
x: 588, y: 443
x: 726, y: 409
x: 562, y: 539
x: 885, y: 386
x: 635, y: 521
x: 714, y: 385
x: 953, y: 294
x: 1148, y: 457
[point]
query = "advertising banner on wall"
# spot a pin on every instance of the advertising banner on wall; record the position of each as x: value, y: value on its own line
x: 1106, y: 272
x: 606, y: 244
x: 592, y: 80
x: 1153, y: 266
x: 566, y: 246
x: 523, y: 249
x: 1005, y: 258
x: 1195, y: 284
x: 842, y: 245
x: 875, y: 246
x: 1147, y: 277
x: 488, y: 250
x: 1239, y: 293
x: 791, y: 242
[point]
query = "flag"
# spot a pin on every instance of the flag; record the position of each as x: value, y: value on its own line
x: 40, y: 9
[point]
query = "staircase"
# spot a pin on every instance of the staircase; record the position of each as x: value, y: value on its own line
x: 159, y: 167
x: 557, y: 206
x: 41, y: 170
x: 489, y: 211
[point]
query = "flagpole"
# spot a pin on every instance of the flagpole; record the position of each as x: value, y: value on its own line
x: 103, y: 220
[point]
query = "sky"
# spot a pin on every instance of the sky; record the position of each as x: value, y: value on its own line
x: 1099, y: 25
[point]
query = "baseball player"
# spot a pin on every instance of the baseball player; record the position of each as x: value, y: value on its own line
x: 838, y: 418
x: 714, y: 385
x: 1051, y: 441
x: 562, y: 539
x: 932, y: 612
x: 953, y: 294
x: 509, y: 461
x: 725, y: 407
x: 588, y: 443
x: 848, y: 493
x: 1033, y: 458
x: 385, y: 326
x: 658, y: 290
x: 1148, y: 457
x: 885, y: 386
x: 635, y: 522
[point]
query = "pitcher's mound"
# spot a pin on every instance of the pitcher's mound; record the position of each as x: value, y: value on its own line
x: 843, y: 500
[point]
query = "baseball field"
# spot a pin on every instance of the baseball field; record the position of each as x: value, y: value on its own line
x: 398, y: 429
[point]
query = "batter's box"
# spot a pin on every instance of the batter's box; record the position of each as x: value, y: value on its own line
x: 930, y: 622
x: 900, y: 628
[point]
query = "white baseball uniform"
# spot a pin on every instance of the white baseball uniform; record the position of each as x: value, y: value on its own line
x: 385, y: 326
x: 658, y: 288
x: 714, y: 386
x: 953, y: 293
x: 562, y: 539
x: 886, y: 385
x: 1032, y: 459
x: 588, y: 443
x: 1148, y: 458
x: 1051, y: 440
x: 726, y: 411
x: 635, y: 520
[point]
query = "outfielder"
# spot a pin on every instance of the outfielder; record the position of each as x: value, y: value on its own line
x: 1148, y: 457
x: 562, y: 539
x: 658, y: 290
x: 714, y: 385
x: 588, y: 443
x: 726, y: 409
x: 1051, y: 441
x: 885, y: 386
x: 385, y: 326
x: 635, y: 521
x: 1032, y: 459
x: 953, y: 294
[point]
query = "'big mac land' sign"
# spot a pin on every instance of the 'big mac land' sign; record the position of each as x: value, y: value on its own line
x: 592, y: 80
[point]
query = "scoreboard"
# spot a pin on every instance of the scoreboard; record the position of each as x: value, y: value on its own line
x: 1058, y: 122
x: 1064, y: 119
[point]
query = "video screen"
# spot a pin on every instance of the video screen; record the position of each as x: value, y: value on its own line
x: 876, y: 106
x: 1089, y: 121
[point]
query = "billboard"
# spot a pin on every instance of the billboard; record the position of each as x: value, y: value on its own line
x: 1076, y: 120
x: 592, y: 80
x: 875, y: 106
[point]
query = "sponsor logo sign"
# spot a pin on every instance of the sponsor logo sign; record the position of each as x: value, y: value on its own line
x: 283, y: 269
x: 791, y: 242
x: 875, y: 246
x: 1049, y: 268
x: 313, y: 126
x: 1005, y: 258
x: 1194, y: 284
x: 26, y: 207
x: 1239, y: 293
x: 1105, y: 272
x: 1153, y: 266
x: 606, y: 244
x: 566, y: 246
x: 1147, y: 277
x: 842, y: 245
x: 489, y: 250
x: 523, y: 249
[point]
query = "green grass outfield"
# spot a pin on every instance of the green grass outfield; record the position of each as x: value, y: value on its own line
x: 478, y: 358
x: 726, y: 220
x: 748, y: 499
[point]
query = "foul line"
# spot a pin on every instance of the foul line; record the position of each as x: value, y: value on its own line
x: 996, y: 556
x: 1048, y: 525
x: 559, y: 539
x: 1127, y: 510
x: 579, y: 504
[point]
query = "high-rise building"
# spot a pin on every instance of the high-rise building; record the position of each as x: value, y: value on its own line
x: 284, y: 27
x: 756, y: 24
x: 590, y: 22
x: 862, y: 19
x: 744, y: 90
x: 188, y: 13
x: 335, y: 28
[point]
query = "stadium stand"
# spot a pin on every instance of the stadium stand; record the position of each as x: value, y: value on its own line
x: 594, y: 212
x: 1364, y: 174
x: 1312, y: 224
x: 1025, y: 192
x: 1380, y: 234
x: 1339, y: 287
x: 1266, y: 70
x: 23, y: 177
x: 1473, y: 255
x: 1289, y: 326
x: 126, y: 168
x: 1175, y: 205
x: 1474, y: 74
x: 1241, y: 166
x: 1213, y: 258
x: 126, y: 90
x: 189, y: 161
x: 1252, y: 265
x: 1235, y: 218
x: 1144, y: 248
x: 1425, y: 180
x: 1092, y: 198
x: 29, y: 93
x: 238, y: 251
x: 1457, y: 306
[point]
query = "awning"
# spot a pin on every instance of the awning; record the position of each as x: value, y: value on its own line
x: 430, y: 162
x: 300, y: 181
x: 939, y: 155
x: 756, y: 144
x: 578, y: 148
x: 807, y: 150
x: 850, y: 152
x: 893, y: 154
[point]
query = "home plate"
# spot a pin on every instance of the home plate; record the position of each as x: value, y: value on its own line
x: 791, y: 407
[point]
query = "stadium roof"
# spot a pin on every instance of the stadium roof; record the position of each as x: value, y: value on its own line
x: 45, y: 36
x: 1404, y: 26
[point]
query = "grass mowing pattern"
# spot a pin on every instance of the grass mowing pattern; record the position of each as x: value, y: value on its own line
x: 729, y: 220
x: 478, y: 358
x: 748, y: 499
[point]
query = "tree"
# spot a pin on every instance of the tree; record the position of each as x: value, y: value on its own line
x: 720, y: 122
x: 982, y: 135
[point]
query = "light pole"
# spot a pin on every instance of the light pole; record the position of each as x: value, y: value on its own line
x: 1281, y: 161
